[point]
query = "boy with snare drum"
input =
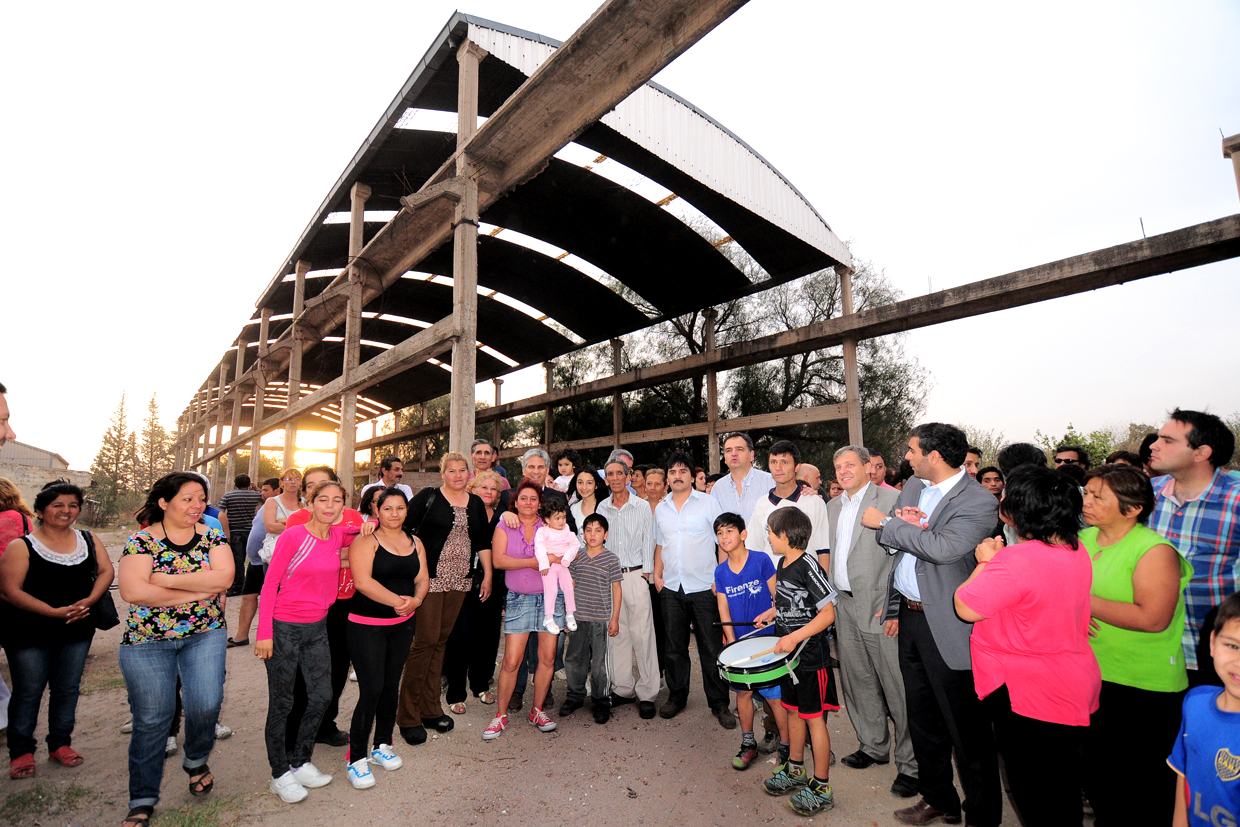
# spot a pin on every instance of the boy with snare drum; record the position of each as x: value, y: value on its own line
x: 744, y: 587
x: 804, y: 610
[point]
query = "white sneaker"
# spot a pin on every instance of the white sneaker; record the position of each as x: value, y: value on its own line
x: 570, y: 622
x: 127, y: 727
x: 288, y: 788
x: 384, y: 757
x: 353, y: 677
x: 550, y: 626
x: 360, y: 775
x: 222, y: 732
x: 308, y: 775
x: 171, y: 747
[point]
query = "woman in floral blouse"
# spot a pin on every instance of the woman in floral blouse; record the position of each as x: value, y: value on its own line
x: 172, y: 575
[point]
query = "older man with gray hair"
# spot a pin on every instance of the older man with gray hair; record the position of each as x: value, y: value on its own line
x: 869, y: 654
x: 535, y: 464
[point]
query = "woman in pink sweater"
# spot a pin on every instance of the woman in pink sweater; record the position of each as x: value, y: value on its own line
x: 301, y: 584
x: 556, y: 539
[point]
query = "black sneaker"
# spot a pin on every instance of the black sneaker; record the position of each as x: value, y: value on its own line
x: 905, y: 786
x: 646, y: 709
x: 569, y: 707
x: 516, y: 702
x: 620, y: 700
x: 334, y: 737
x: 602, y: 713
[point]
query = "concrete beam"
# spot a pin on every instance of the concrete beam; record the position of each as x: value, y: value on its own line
x: 1231, y: 149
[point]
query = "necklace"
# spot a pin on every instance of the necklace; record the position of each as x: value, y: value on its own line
x: 168, y: 536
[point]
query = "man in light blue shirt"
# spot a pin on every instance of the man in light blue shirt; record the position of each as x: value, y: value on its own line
x: 743, y: 486
x: 685, y: 556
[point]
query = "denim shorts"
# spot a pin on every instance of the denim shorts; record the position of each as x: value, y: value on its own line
x: 524, y: 613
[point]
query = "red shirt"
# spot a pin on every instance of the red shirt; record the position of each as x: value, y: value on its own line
x: 349, y: 517
x: 1035, y: 636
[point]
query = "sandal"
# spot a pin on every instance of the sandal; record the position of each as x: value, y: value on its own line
x: 66, y: 756
x: 487, y: 697
x: 22, y: 766
x: 197, y: 786
x: 457, y: 709
x: 139, y: 816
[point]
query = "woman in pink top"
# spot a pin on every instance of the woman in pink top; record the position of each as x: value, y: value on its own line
x: 1032, y: 662
x: 301, y: 583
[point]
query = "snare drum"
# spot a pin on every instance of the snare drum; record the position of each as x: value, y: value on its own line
x: 742, y: 671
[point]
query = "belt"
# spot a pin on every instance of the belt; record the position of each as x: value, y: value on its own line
x: 845, y: 592
x: 915, y: 605
x: 627, y: 569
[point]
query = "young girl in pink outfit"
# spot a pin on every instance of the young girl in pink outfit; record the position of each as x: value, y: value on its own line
x: 557, y: 540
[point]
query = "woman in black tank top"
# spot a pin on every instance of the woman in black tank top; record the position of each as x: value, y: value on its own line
x: 389, y: 571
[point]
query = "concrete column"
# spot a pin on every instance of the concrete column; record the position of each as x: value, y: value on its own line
x: 182, y: 442
x: 495, y: 433
x: 712, y: 398
x: 465, y: 260
x: 617, y: 407
x: 294, y: 363
x: 1231, y: 149
x: 191, y: 435
x: 260, y: 389
x: 852, y: 398
x: 345, y: 453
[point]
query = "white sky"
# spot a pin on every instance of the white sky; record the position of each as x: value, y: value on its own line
x: 162, y: 159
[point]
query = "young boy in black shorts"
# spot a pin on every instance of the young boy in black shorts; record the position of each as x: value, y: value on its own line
x: 804, y: 610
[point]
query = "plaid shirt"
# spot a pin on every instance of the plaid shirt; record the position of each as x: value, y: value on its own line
x: 1207, y: 532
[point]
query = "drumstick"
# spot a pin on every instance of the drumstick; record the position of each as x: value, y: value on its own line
x: 734, y: 623
x: 752, y: 657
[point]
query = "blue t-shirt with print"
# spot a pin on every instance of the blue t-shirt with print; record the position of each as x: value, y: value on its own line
x: 748, y: 593
x: 1207, y: 754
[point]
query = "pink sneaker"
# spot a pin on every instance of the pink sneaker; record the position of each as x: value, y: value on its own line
x: 495, y: 728
x: 539, y: 719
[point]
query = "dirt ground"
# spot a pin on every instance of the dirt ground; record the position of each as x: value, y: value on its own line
x: 627, y: 772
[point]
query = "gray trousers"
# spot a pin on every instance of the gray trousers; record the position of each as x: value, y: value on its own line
x: 296, y: 647
x: 586, y: 653
x: 873, y: 685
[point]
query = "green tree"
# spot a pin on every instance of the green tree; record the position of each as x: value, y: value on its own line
x: 154, y: 449
x: 989, y: 441
x: 1098, y: 443
x: 112, y: 486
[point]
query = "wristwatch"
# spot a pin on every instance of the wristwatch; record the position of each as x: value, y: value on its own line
x: 883, y: 522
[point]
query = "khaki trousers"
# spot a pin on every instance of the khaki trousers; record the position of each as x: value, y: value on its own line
x: 636, y: 639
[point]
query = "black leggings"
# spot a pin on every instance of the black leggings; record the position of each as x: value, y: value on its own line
x: 337, y: 620
x: 379, y: 654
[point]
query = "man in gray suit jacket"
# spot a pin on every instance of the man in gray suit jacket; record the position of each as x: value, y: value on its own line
x: 939, y: 519
x: 869, y: 654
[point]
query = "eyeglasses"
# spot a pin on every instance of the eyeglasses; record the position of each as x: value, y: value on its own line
x: 1059, y: 461
x: 290, y: 479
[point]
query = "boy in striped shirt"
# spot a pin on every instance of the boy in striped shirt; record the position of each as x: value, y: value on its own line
x: 596, y: 583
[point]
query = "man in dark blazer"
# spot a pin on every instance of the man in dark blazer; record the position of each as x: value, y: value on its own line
x: 939, y: 519
x: 869, y: 654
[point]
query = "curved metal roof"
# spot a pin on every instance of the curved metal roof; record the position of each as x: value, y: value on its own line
x: 534, y: 306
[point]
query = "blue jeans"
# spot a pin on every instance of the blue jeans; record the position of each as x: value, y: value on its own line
x: 33, y: 668
x: 151, y: 671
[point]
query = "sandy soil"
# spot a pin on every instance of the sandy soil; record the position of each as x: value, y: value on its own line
x: 627, y: 772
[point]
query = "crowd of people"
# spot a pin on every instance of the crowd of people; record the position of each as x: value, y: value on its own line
x: 1077, y: 625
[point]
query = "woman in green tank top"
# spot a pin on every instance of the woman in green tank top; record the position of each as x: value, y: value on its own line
x: 1137, y: 603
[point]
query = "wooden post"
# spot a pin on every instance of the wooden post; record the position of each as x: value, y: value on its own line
x: 179, y: 456
x: 465, y: 259
x: 549, y: 412
x: 1231, y: 149
x: 191, y: 436
x: 234, y: 424
x: 294, y: 363
x: 495, y: 433
x: 712, y: 397
x: 422, y: 450
x: 260, y: 389
x: 617, y: 409
x: 852, y: 391
x: 217, y: 467
x: 345, y: 455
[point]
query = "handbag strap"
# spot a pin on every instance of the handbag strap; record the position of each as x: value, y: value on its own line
x: 94, y: 558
